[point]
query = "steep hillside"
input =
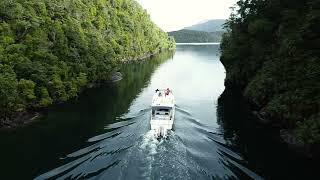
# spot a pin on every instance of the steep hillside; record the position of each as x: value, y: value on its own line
x: 50, y: 50
x: 208, y: 26
x: 188, y: 36
x: 272, y: 53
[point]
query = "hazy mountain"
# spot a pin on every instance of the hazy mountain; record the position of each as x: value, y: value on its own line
x: 208, y: 26
x: 190, y: 36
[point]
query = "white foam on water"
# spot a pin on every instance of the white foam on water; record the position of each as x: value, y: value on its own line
x: 148, y: 147
x: 149, y: 143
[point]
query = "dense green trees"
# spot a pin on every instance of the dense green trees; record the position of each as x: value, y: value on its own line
x: 271, y: 51
x: 50, y: 49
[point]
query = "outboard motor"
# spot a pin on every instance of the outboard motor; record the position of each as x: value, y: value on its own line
x: 163, y: 132
x: 157, y: 133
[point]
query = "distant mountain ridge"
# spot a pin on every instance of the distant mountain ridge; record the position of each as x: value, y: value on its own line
x: 190, y: 36
x: 205, y: 31
x: 208, y: 26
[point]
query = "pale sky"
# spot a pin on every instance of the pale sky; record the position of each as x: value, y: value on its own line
x: 172, y: 15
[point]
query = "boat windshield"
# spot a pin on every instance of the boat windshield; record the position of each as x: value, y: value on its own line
x: 162, y: 113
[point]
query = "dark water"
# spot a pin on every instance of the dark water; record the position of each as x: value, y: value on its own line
x: 104, y: 134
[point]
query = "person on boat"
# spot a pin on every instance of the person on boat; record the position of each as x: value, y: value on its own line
x: 167, y: 92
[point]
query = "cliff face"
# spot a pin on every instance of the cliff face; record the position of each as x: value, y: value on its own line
x: 50, y: 49
x: 271, y: 52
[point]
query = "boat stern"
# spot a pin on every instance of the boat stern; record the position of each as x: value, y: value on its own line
x: 161, y: 127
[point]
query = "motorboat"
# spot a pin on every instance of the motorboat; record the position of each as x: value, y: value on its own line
x: 162, y: 112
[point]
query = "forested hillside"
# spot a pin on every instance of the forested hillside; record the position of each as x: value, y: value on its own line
x: 271, y: 51
x: 51, y: 49
x: 189, y: 36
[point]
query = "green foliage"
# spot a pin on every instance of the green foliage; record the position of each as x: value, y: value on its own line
x: 82, y: 80
x: 260, y: 28
x: 26, y: 90
x: 50, y: 50
x: 45, y: 99
x: 8, y: 91
x: 57, y: 89
x: 190, y: 36
x: 271, y: 52
x: 309, y: 130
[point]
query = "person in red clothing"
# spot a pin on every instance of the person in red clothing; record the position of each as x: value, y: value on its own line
x: 167, y: 92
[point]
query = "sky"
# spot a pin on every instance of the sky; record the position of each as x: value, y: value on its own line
x: 172, y: 15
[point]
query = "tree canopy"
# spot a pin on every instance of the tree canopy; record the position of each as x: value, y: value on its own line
x: 271, y: 51
x: 51, y: 49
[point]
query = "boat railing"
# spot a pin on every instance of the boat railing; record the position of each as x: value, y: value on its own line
x: 160, y: 91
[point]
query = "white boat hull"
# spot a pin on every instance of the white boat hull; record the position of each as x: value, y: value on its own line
x: 161, y: 127
x: 162, y: 112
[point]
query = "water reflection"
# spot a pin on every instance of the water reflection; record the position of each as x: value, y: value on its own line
x: 195, y: 149
x: 258, y: 145
x: 105, y: 133
x: 65, y: 128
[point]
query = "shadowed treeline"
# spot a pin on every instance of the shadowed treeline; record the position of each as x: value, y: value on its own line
x: 259, y: 145
x: 51, y: 50
x: 66, y: 127
x: 271, y: 51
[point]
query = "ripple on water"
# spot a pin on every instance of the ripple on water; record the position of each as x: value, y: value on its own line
x: 129, y: 150
x: 107, y: 151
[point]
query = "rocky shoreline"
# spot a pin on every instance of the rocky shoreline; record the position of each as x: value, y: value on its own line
x: 19, y: 119
x: 288, y: 137
x: 27, y: 117
x: 284, y: 135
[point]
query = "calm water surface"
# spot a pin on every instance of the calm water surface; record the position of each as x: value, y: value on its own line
x: 105, y: 133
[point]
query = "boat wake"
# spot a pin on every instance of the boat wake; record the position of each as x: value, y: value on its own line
x: 129, y: 150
